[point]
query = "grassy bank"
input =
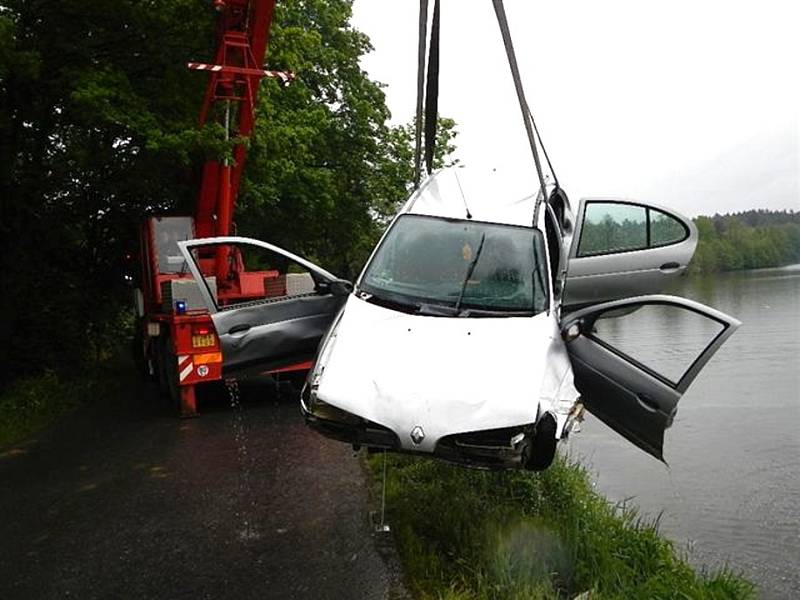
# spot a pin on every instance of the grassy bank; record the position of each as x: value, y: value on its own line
x: 465, y: 534
x: 33, y: 403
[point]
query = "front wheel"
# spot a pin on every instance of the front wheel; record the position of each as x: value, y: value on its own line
x: 539, y: 452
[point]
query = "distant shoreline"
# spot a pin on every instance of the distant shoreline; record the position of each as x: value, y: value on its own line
x: 793, y: 266
x: 755, y: 239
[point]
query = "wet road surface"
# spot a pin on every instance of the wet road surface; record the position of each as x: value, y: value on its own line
x: 123, y: 500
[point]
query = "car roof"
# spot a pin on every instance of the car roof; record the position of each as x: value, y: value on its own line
x: 492, y: 195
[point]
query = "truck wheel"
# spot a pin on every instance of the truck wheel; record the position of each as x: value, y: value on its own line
x: 171, y: 369
x: 539, y: 453
x: 167, y: 376
x: 140, y: 357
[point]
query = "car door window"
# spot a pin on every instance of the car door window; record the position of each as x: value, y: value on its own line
x: 269, y: 307
x: 252, y: 274
x: 663, y: 339
x: 612, y: 227
x: 665, y: 229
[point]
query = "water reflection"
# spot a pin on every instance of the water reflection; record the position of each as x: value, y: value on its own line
x: 730, y: 493
x: 641, y: 334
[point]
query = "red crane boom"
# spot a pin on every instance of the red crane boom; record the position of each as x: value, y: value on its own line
x: 176, y: 336
x: 230, y: 97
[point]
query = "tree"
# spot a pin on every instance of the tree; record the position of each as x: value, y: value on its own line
x: 98, y: 128
x: 748, y: 240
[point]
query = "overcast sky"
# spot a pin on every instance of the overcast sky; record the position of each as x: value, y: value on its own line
x: 689, y: 103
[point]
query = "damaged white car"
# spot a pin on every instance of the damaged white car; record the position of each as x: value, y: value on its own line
x: 477, y: 336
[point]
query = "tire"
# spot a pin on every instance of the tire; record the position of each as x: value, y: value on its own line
x: 140, y: 357
x: 540, y: 452
x: 173, y: 391
x: 167, y: 375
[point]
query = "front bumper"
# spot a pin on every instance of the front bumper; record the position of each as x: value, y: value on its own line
x: 344, y: 427
x: 488, y: 449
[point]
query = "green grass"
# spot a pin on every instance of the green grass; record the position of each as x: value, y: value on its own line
x: 32, y: 403
x: 465, y: 534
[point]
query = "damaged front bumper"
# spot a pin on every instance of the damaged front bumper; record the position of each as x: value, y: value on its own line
x: 488, y: 449
x: 345, y: 427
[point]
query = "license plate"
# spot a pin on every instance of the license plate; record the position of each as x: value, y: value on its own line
x: 203, y: 341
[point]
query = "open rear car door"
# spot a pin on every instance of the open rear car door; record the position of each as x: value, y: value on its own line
x: 622, y: 248
x: 634, y: 358
x: 270, y: 307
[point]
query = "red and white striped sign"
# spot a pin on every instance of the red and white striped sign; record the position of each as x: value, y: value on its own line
x: 185, y: 366
x: 284, y: 76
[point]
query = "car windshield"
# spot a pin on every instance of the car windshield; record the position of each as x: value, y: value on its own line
x: 454, y: 267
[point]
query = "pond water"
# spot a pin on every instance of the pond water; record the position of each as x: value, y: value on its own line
x: 731, y: 493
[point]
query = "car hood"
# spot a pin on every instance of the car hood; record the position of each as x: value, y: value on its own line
x: 444, y: 374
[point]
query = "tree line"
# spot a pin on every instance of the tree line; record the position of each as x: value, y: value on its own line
x: 751, y: 239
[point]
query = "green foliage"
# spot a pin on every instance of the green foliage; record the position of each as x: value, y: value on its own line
x: 748, y: 240
x: 32, y: 403
x: 92, y: 95
x: 98, y: 128
x: 478, y: 535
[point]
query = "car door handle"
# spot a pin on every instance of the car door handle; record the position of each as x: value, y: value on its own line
x: 239, y: 329
x: 647, y: 402
x: 669, y: 266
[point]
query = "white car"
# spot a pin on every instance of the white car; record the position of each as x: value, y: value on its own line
x: 476, y: 337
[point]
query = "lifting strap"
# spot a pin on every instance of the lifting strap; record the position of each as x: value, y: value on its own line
x: 432, y: 91
x: 500, y: 11
x: 428, y: 96
x: 423, y: 34
x: 427, y: 91
x: 544, y: 150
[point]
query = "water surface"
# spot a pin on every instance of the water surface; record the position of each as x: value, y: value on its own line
x: 731, y: 493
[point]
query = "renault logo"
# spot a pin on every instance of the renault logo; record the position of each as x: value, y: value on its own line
x: 417, y: 435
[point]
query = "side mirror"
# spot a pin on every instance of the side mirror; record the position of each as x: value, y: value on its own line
x: 337, y: 287
x: 571, y: 332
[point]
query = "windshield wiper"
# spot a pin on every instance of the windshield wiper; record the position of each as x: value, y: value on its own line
x: 416, y: 308
x: 488, y: 312
x: 407, y: 307
x: 470, y: 269
x: 437, y: 310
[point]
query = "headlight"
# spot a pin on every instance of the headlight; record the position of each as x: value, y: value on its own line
x: 328, y: 412
x: 322, y: 359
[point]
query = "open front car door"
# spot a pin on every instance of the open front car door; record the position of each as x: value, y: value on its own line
x: 634, y: 358
x: 270, y: 307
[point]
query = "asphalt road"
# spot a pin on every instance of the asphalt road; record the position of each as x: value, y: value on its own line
x: 123, y: 500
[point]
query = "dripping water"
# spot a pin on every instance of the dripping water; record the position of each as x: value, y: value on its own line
x: 245, y: 502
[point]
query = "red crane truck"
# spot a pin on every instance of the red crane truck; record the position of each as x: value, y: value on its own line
x: 175, y: 338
